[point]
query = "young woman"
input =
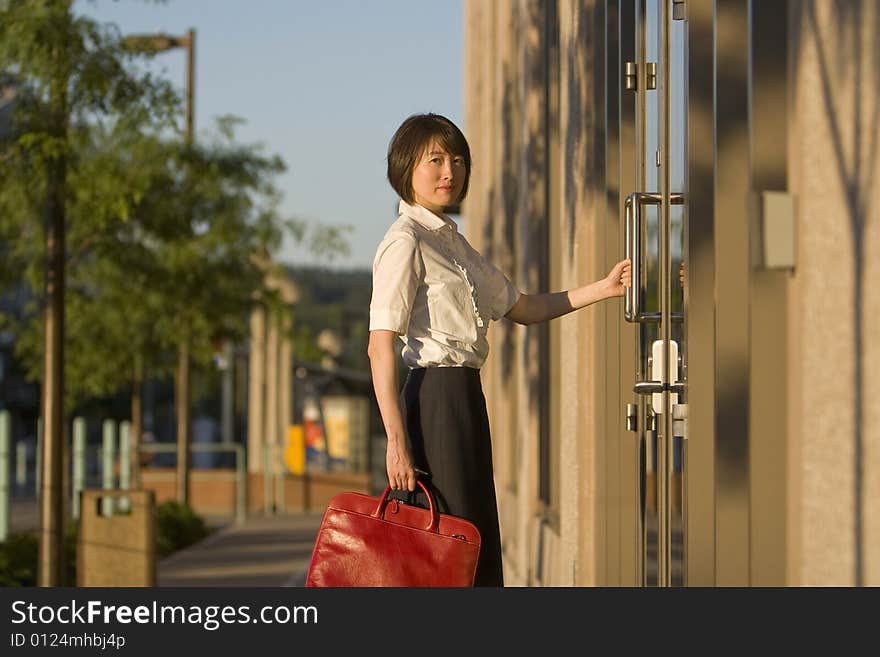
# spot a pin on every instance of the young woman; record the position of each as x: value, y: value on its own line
x: 437, y: 294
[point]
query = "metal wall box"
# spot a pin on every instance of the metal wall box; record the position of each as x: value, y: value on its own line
x: 778, y: 230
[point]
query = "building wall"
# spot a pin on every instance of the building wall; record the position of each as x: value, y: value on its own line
x: 822, y: 526
x: 513, y: 138
x: 834, y: 462
x: 214, y: 492
x: 580, y: 250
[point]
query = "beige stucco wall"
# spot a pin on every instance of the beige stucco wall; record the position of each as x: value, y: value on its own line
x: 582, y: 348
x: 493, y: 118
x: 833, y: 171
x: 506, y: 219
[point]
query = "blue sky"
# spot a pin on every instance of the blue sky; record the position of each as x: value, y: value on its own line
x: 323, y: 83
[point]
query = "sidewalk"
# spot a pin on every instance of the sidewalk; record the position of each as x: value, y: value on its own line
x: 24, y: 515
x: 264, y: 551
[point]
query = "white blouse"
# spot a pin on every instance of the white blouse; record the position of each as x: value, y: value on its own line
x: 436, y: 291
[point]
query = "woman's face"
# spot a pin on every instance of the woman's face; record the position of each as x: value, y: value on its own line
x: 437, y: 178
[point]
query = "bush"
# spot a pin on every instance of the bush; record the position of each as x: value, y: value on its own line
x: 71, y: 537
x: 177, y: 526
x: 19, y: 554
x: 18, y: 560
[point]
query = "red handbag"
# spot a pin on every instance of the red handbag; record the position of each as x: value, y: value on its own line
x: 377, y: 541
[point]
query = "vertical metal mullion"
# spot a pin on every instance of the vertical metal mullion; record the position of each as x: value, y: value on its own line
x: 768, y: 290
x: 683, y: 348
x: 666, y: 447
x: 626, y: 122
x: 619, y: 47
x: 641, y: 89
x: 731, y: 296
x: 700, y: 309
x: 641, y: 128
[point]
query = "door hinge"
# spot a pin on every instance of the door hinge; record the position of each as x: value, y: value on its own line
x: 650, y: 75
x: 679, y: 10
x: 630, y: 77
x: 632, y: 417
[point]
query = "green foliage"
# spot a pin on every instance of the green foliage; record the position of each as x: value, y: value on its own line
x: 167, y: 242
x: 177, y: 526
x: 76, y: 124
x: 70, y: 540
x: 305, y: 344
x: 334, y: 300
x: 174, y: 262
x: 18, y: 560
x: 19, y: 555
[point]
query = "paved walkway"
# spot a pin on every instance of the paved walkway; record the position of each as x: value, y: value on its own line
x: 264, y: 551
x: 24, y: 515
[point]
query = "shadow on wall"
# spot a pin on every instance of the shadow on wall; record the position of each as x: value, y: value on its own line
x: 584, y: 162
x: 499, y: 228
x: 842, y: 49
x: 515, y: 224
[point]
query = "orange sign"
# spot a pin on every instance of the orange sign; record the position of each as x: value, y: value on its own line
x: 295, y: 450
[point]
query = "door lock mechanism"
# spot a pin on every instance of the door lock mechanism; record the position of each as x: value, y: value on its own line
x: 655, y: 387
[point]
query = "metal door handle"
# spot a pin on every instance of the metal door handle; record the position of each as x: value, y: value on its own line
x: 632, y: 238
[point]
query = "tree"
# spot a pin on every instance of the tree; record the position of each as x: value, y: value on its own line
x: 167, y: 240
x: 215, y: 260
x: 175, y: 273
x: 72, y: 74
x: 211, y: 266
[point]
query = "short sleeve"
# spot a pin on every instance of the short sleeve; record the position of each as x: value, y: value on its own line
x: 503, y: 293
x: 396, y: 273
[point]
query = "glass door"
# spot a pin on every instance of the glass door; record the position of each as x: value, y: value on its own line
x: 654, y: 236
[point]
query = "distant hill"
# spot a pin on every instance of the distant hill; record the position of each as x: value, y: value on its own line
x: 337, y: 300
x: 322, y: 286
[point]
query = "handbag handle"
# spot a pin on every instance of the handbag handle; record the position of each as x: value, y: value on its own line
x: 433, y: 525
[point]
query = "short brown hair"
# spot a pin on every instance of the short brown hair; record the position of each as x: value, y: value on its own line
x: 409, y: 143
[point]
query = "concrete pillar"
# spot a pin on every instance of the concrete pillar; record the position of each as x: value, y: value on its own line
x: 273, y: 365
x: 108, y: 458
x: 21, y: 465
x: 271, y: 428
x: 124, y: 462
x: 285, y: 401
x: 38, y: 479
x: 285, y: 380
x: 125, y: 455
x: 227, y: 417
x: 79, y: 463
x: 256, y: 385
x: 5, y: 454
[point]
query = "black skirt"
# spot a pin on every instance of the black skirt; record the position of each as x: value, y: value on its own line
x: 448, y: 432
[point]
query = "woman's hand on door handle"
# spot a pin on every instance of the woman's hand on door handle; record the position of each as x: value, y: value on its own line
x: 619, y: 278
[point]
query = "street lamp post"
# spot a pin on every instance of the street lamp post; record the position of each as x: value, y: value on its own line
x: 159, y: 42
x: 155, y: 43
